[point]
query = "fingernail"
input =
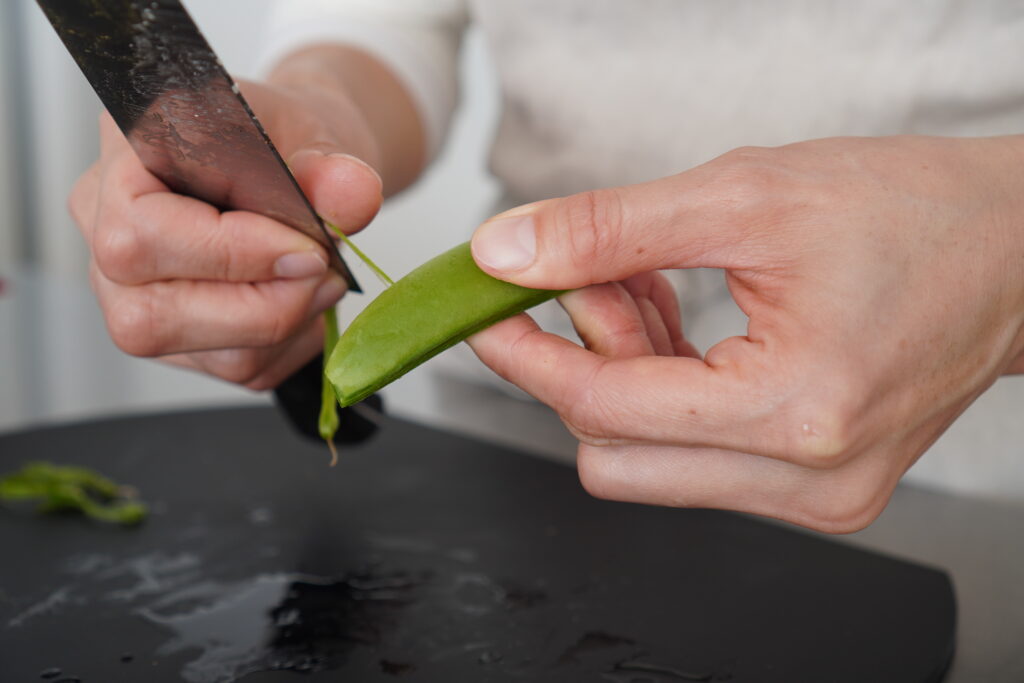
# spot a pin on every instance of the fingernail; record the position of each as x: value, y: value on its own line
x: 506, y: 244
x: 356, y: 161
x: 300, y: 264
x: 351, y: 159
x: 327, y: 294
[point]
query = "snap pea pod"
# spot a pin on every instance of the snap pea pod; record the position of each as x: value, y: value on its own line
x: 429, y: 310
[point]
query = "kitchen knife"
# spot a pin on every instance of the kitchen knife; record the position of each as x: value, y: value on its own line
x: 181, y: 111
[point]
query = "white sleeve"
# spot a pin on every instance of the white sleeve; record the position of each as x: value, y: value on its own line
x: 418, y: 39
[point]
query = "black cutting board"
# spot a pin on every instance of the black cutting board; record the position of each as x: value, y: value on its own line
x: 424, y: 556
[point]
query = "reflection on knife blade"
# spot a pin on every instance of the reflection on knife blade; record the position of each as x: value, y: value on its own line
x: 181, y: 112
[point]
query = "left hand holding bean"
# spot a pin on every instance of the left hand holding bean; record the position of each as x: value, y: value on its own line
x: 883, y: 279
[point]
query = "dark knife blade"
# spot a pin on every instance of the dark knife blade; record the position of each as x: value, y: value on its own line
x: 180, y: 110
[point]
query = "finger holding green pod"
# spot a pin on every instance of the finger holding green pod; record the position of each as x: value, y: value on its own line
x: 429, y: 310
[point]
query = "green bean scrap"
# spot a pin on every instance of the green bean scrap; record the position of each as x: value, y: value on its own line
x: 62, y: 488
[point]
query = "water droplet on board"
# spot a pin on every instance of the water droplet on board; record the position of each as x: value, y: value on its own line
x: 475, y: 594
x: 515, y: 596
x: 261, y: 516
x: 593, y: 641
x: 287, y: 617
x: 48, y: 605
x: 152, y: 574
x: 52, y: 672
x: 466, y: 555
x: 635, y: 671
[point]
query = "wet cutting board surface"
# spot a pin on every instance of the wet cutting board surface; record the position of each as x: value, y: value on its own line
x: 427, y: 557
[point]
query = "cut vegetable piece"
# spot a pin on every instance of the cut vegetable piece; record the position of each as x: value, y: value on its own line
x: 429, y: 310
x: 59, y: 488
x: 360, y: 253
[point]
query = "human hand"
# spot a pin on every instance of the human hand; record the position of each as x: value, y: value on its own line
x: 234, y: 294
x: 883, y: 284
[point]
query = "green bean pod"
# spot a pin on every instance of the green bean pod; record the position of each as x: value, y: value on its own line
x: 429, y: 310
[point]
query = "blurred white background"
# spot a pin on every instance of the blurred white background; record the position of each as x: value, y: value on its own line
x: 57, y: 363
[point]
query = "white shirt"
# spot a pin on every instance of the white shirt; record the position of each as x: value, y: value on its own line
x: 607, y: 92
x: 600, y: 93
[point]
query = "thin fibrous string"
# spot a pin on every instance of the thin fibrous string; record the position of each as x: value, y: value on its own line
x: 359, y: 252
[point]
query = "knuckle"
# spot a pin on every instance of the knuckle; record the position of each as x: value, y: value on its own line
x: 80, y: 198
x: 593, y: 474
x: 211, y: 236
x: 276, y: 311
x: 214, y: 240
x: 278, y: 330
x: 280, y: 327
x: 581, y: 418
x: 118, y: 250
x: 820, y: 444
x: 591, y: 415
x: 825, y: 434
x: 590, y: 224
x: 131, y: 325
x: 748, y: 178
x: 76, y: 206
x: 626, y: 333
x: 749, y: 154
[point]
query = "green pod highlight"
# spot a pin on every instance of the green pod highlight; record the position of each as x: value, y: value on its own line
x: 429, y: 310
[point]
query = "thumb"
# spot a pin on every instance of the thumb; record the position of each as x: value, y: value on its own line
x: 342, y: 188
x: 598, y: 236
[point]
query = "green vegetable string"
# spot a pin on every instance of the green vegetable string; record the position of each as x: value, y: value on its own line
x: 62, y: 488
x: 359, y: 252
x: 328, y: 423
x: 329, y: 420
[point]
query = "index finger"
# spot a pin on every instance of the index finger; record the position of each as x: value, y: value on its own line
x: 119, y: 160
x: 142, y: 232
x: 739, y: 404
x: 116, y: 178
